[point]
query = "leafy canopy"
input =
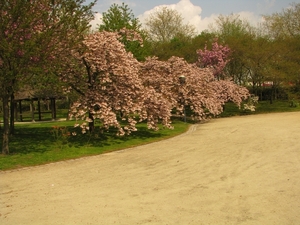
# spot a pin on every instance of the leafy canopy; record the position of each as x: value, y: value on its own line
x: 120, y: 17
x: 165, y: 24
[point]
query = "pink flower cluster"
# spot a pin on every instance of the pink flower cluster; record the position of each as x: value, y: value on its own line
x: 216, y: 58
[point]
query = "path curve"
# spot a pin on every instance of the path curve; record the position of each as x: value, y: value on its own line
x: 240, y: 170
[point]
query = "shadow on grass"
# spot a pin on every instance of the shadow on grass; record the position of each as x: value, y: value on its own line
x: 34, y: 139
x: 27, y: 140
x: 109, y: 137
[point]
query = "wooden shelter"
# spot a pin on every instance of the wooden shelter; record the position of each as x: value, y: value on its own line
x: 32, y: 97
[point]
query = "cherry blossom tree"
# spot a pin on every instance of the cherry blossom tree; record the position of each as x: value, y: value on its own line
x: 217, y: 58
x: 107, y: 78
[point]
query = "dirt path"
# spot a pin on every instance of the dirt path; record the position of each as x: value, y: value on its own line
x: 241, y: 170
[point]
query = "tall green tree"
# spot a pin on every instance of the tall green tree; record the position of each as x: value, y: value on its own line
x: 169, y: 35
x: 182, y: 46
x: 178, y: 46
x: 284, y: 28
x: 35, y: 37
x: 166, y: 24
x: 119, y: 17
x: 285, y: 23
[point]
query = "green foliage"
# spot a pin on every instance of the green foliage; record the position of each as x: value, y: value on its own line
x: 165, y: 24
x: 120, y: 16
x: 285, y: 23
x: 139, y: 52
x: 182, y: 47
x: 294, y: 92
x: 60, y: 136
x: 231, y: 109
x: 231, y: 26
x: 294, y: 104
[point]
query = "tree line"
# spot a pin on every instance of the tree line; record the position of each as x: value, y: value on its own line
x: 264, y: 57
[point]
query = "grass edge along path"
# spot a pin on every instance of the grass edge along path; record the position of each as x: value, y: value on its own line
x: 48, y: 142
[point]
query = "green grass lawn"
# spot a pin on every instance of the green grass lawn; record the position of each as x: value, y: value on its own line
x: 39, y: 143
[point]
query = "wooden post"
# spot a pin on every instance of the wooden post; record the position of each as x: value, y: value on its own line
x: 20, y: 110
x: 54, y: 104
x: 16, y: 111
x: 53, y: 108
x: 32, y: 110
x: 39, y: 110
x: 12, y: 114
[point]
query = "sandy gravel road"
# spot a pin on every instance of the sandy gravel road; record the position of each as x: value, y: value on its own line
x: 241, y: 170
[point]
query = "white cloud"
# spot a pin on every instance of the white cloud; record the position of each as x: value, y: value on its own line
x: 190, y: 13
x: 96, y: 21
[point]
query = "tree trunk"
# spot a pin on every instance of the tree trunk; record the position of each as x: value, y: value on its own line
x: 32, y: 110
x: 39, y: 110
x: 5, y: 148
x: 16, y: 111
x: 272, y: 94
x: 48, y: 105
x: 20, y: 110
x: 12, y: 114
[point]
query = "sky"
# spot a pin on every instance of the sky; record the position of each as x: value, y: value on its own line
x: 199, y: 13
